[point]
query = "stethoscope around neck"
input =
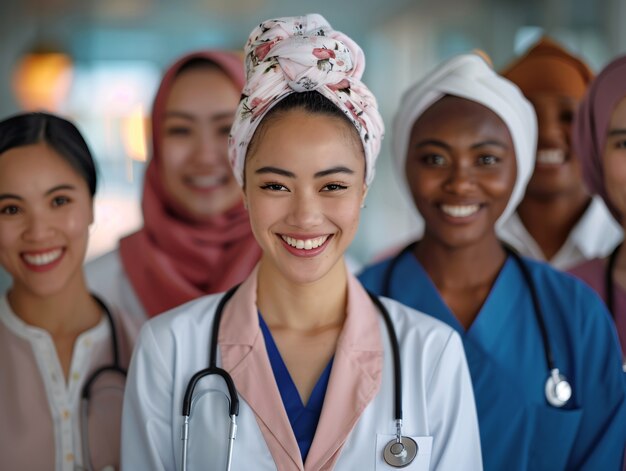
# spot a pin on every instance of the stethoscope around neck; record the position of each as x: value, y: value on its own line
x: 557, y: 389
x: 398, y: 453
x: 87, y: 389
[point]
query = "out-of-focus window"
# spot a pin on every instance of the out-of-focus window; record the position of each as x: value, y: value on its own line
x: 111, y: 102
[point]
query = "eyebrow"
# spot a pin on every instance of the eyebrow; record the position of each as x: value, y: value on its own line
x: 490, y: 143
x: 7, y: 196
x: 616, y: 132
x: 10, y: 196
x: 432, y: 142
x: 438, y: 143
x: 65, y: 186
x: 320, y: 174
x: 333, y: 170
x: 276, y: 170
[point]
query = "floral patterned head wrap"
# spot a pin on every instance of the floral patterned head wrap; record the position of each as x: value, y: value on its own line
x: 299, y: 54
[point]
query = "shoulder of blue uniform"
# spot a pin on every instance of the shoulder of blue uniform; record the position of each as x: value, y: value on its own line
x: 407, y: 318
x: 372, y: 275
x: 570, y: 299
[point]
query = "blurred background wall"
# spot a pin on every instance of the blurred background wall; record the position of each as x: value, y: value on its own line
x: 110, y: 55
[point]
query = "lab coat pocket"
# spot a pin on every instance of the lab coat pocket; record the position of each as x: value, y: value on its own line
x: 421, y: 461
x: 554, y: 433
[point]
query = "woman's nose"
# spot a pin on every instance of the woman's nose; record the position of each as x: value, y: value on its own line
x: 38, y: 227
x: 460, y: 179
x: 305, y: 212
x: 207, y: 150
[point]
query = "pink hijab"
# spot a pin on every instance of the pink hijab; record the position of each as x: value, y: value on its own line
x: 172, y: 260
x: 591, y: 124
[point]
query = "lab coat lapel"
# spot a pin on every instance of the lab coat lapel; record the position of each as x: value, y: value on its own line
x: 244, y: 356
x: 354, y: 380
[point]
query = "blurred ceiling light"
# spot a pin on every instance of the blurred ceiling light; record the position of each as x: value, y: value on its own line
x: 134, y: 134
x: 42, y: 79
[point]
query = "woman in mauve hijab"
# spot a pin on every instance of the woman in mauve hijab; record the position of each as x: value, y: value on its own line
x: 600, y: 140
x: 196, y: 238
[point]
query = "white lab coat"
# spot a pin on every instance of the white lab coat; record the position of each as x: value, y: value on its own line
x: 438, y: 401
x: 106, y: 277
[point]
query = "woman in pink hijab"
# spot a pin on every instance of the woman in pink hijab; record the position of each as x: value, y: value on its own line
x: 600, y: 140
x: 196, y: 238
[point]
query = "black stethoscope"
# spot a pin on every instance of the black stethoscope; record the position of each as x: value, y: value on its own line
x: 557, y: 389
x: 610, y: 290
x: 86, y: 391
x: 399, y: 452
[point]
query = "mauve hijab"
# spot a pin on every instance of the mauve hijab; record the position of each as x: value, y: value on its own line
x: 591, y: 124
x: 172, y: 260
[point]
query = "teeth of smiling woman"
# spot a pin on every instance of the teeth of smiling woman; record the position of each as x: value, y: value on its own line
x: 459, y: 211
x: 206, y: 181
x: 306, y: 244
x: 551, y: 156
x: 43, y: 258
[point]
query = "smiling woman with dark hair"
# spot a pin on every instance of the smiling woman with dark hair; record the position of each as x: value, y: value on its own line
x: 54, y: 335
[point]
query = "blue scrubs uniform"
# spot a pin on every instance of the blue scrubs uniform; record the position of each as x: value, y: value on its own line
x: 303, y: 419
x: 519, y: 430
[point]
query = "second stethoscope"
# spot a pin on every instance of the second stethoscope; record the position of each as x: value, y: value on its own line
x: 610, y: 290
x: 398, y: 453
x: 557, y: 389
x: 114, y: 368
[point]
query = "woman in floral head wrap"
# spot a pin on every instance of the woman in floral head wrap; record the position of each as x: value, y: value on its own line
x: 304, y: 343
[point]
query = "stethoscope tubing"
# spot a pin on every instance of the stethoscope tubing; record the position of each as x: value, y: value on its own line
x: 115, y: 367
x: 539, y: 314
x: 213, y: 369
x: 232, y: 391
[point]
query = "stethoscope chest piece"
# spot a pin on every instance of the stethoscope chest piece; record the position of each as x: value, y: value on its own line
x: 558, y: 389
x: 400, y: 453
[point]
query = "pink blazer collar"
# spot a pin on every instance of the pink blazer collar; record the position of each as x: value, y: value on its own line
x: 354, y: 380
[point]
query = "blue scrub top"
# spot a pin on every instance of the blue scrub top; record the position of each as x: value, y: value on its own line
x: 519, y: 430
x: 303, y: 419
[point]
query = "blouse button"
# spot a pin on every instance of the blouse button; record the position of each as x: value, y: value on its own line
x: 69, y: 457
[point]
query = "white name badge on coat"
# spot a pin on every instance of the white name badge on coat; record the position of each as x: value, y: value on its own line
x: 421, y: 461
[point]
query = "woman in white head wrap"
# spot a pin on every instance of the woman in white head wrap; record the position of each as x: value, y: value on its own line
x: 464, y: 144
x: 306, y: 347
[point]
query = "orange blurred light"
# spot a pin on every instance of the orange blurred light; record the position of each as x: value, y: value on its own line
x: 42, y: 80
x: 134, y: 134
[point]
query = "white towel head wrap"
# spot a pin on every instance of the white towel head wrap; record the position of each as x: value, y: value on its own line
x: 469, y: 76
x: 298, y: 54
